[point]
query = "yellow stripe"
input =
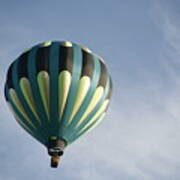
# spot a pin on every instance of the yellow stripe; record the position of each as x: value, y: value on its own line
x: 27, y: 92
x: 83, y: 87
x: 17, y: 118
x: 46, y: 44
x: 98, y: 113
x: 95, y: 124
x: 19, y: 106
x: 66, y: 44
x: 64, y: 83
x: 96, y: 97
x: 86, y: 49
x: 43, y: 83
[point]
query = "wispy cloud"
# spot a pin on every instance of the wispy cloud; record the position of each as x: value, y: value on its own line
x: 161, y: 160
x: 138, y: 139
x: 165, y: 16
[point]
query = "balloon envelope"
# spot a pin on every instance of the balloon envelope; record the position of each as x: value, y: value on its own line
x: 58, y: 89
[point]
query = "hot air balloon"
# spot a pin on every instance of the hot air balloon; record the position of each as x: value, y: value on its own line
x: 58, y: 91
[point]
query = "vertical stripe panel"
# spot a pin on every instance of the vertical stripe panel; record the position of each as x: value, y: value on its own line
x: 63, y: 90
x: 76, y: 73
x: 43, y: 83
x: 32, y: 75
x: 53, y: 70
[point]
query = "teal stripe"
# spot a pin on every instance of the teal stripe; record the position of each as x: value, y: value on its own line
x: 35, y: 133
x: 90, y: 116
x: 76, y: 73
x: 54, y: 71
x: 94, y: 83
x: 32, y: 76
x: 85, y: 130
x: 21, y: 96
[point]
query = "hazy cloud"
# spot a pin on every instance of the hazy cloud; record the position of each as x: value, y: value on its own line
x: 139, y: 138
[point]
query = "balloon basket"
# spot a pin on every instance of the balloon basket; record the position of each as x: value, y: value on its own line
x: 55, y: 161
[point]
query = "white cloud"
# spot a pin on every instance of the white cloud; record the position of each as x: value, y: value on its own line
x: 139, y: 138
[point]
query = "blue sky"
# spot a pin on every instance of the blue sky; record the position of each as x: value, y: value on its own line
x: 140, y: 42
